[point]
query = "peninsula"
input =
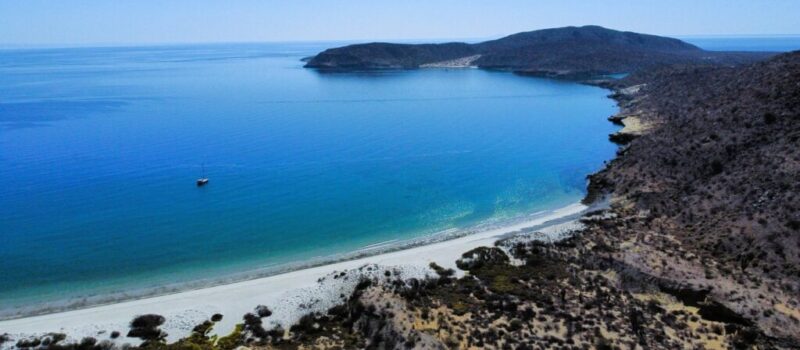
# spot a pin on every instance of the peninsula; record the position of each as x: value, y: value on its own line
x: 568, y: 52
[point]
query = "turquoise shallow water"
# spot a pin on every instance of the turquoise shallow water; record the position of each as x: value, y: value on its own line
x: 100, y: 147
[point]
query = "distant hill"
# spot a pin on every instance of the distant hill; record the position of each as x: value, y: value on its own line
x: 567, y: 51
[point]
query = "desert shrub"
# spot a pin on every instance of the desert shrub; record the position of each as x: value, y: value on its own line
x: 216, y: 318
x: 147, y: 321
x: 203, y: 329
x: 104, y: 345
x: 87, y: 343
x: 363, y: 284
x: 515, y: 325
x: 51, y: 340
x: 716, y: 167
x: 459, y: 307
x: 28, y: 343
x: 253, y: 325
x: 502, y: 283
x: 147, y: 334
x: 480, y: 257
x: 276, y: 333
x: 745, y: 338
x: 602, y: 343
x: 233, y: 340
x: 145, y: 327
x: 770, y: 118
x: 307, y: 325
x: 441, y: 271
x: 251, y: 319
x: 114, y: 335
x: 338, y: 311
x: 263, y: 311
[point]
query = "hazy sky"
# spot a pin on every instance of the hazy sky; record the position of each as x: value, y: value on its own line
x: 82, y: 22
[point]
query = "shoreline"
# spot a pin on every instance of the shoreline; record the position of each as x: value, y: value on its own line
x: 132, y: 294
x: 290, y: 294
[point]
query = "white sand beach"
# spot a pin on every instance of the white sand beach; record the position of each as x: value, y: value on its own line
x: 289, y: 295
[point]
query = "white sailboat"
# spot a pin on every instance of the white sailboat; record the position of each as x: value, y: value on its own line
x: 203, y: 179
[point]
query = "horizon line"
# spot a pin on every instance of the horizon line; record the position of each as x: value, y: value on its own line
x: 33, y: 46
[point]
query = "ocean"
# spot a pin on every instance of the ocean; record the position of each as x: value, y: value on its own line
x: 100, y: 149
x: 781, y: 43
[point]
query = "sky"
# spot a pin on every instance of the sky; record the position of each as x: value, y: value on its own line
x: 93, y: 22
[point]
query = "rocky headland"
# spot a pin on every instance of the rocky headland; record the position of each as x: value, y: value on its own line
x: 568, y: 52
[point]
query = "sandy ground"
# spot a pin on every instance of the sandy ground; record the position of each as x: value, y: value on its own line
x: 289, y: 295
x: 634, y: 125
x: 463, y: 62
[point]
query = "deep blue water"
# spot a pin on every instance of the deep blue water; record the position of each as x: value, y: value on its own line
x: 748, y: 43
x: 100, y: 148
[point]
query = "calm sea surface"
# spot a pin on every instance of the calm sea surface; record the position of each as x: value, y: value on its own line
x: 100, y: 148
x: 749, y: 43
